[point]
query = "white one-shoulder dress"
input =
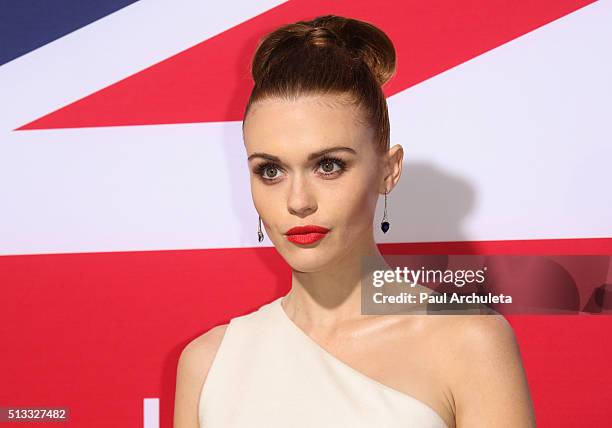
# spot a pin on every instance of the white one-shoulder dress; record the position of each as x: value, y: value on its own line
x: 268, y: 373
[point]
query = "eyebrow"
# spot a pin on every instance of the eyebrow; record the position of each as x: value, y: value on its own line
x: 310, y: 156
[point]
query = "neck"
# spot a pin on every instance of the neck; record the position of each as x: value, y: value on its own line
x: 332, y: 295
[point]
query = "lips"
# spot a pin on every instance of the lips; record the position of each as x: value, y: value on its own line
x: 310, y: 228
x: 306, y: 234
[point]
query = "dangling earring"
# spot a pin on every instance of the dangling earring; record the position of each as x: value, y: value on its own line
x: 384, y: 225
x: 260, y: 235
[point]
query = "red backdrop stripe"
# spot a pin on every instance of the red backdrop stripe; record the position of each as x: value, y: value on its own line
x: 210, y: 81
x: 95, y: 330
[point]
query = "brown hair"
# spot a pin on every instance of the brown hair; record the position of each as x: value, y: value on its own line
x: 327, y: 55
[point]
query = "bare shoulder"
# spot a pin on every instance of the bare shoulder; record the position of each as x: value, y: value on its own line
x: 485, y: 372
x: 192, y: 369
x: 201, y: 350
x: 491, y: 330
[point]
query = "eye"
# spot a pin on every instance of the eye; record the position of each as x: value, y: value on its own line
x: 327, y: 166
x: 268, y: 171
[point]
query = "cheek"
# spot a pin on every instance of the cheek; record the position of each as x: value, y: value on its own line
x: 357, y: 202
x: 256, y: 193
x: 363, y: 207
x: 260, y: 193
x: 267, y: 201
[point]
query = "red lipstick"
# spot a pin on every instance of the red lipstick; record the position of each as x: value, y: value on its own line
x: 306, y: 234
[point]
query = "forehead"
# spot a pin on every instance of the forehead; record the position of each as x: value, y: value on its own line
x: 304, y: 125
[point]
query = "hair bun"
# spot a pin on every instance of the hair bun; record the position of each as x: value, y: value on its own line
x: 363, y: 40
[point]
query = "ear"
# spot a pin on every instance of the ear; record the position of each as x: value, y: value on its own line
x: 393, y: 162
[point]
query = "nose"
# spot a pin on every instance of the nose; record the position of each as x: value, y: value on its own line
x: 301, y: 201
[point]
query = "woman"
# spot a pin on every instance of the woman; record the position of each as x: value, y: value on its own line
x: 316, y: 133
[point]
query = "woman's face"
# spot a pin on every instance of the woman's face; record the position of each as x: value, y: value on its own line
x: 293, y: 184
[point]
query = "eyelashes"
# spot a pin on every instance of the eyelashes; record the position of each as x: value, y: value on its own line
x: 325, y: 161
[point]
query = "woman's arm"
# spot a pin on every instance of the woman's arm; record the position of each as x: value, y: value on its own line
x: 489, y: 385
x: 192, y: 369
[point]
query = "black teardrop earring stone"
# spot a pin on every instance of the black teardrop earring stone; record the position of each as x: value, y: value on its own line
x: 384, y: 225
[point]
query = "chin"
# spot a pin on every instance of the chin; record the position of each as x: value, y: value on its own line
x: 307, y: 259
